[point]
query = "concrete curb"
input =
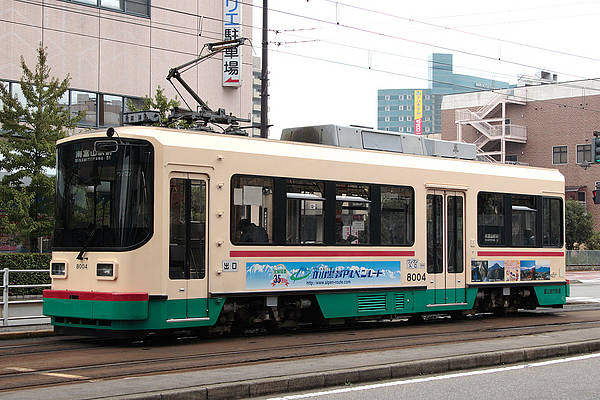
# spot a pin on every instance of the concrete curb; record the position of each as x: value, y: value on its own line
x: 26, y: 334
x: 366, y: 374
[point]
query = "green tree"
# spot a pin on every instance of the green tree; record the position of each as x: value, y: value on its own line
x: 160, y: 103
x: 28, y: 149
x: 579, y: 224
x: 593, y: 243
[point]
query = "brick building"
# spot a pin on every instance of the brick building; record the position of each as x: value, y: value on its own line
x: 548, y: 125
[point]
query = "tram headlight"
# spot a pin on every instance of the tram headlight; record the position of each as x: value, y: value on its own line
x: 58, y: 269
x: 105, y: 270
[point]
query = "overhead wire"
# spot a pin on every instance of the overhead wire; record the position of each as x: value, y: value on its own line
x: 470, y: 89
x: 219, y: 38
x: 405, y: 39
x: 448, y: 28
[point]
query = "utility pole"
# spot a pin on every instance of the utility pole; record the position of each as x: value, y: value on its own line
x: 264, y: 82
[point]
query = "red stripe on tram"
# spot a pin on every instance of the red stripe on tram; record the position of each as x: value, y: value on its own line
x: 520, y: 253
x: 98, y: 296
x: 316, y: 253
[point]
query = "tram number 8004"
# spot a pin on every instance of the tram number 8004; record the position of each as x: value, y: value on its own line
x: 415, y: 277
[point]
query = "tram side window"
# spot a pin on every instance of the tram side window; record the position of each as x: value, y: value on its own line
x: 177, y: 229
x: 490, y: 219
x: 552, y: 222
x: 352, y: 212
x: 305, y: 218
x: 187, y: 229
x: 435, y: 229
x: 524, y: 215
x: 397, y: 215
x: 252, y: 216
x: 197, y: 229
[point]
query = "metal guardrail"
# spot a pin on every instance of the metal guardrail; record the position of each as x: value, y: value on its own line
x: 6, y: 302
x: 583, y: 257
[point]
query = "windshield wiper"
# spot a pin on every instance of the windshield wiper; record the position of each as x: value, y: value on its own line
x: 87, y: 243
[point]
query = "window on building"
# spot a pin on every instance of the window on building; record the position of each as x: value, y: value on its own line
x: 401, y: 97
x: 400, y: 108
x: 84, y: 102
x: 6, y: 86
x: 401, y: 129
x: 386, y: 108
x: 397, y: 215
x: 409, y: 118
x: 408, y: 129
x: 138, y: 7
x: 427, y: 108
x: 132, y: 103
x: 387, y: 128
x: 427, y: 118
x: 17, y: 93
x: 115, y: 4
x: 305, y: 219
x: 386, y: 97
x: 427, y: 97
x: 584, y: 153
x: 111, y: 110
x: 409, y: 108
x: 559, y: 154
x: 427, y: 129
x: 408, y: 97
x: 511, y: 158
x: 401, y: 118
x: 581, y: 197
x: 387, y: 119
x: 353, y: 208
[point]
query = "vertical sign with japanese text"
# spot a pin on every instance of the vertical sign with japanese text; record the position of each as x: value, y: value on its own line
x: 232, y: 29
x: 418, y: 112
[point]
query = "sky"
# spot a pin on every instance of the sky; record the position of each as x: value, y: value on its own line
x: 328, y: 59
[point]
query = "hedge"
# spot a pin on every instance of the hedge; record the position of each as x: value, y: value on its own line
x: 15, y: 261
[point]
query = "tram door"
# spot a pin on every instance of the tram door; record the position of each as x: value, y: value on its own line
x: 187, y: 246
x: 446, y: 246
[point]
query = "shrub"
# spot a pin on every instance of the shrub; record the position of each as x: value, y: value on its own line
x: 16, y: 261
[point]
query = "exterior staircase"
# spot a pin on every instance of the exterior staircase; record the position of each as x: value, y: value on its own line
x: 490, y: 126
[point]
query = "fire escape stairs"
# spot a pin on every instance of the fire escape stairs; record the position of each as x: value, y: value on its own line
x: 480, y: 120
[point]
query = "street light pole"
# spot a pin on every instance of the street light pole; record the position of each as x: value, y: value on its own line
x: 264, y: 91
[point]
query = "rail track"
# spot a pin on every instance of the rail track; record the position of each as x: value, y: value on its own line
x: 59, y: 360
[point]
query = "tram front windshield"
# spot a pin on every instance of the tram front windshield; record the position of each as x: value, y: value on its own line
x: 104, y: 200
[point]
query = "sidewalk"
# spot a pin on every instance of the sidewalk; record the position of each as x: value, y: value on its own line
x: 320, y: 372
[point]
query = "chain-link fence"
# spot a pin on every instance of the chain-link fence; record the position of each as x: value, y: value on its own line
x: 583, y: 257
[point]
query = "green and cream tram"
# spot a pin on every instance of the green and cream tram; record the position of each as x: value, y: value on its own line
x: 160, y: 229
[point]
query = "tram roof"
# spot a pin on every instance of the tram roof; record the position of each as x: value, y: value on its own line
x: 273, y: 147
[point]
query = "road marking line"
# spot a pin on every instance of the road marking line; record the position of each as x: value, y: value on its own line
x: 19, y: 369
x: 437, y: 378
x: 59, y: 375
x: 56, y: 374
x: 583, y: 299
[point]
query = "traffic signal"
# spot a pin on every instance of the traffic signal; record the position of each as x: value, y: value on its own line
x: 596, y: 196
x: 596, y: 148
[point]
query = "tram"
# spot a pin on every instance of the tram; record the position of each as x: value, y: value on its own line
x: 160, y: 229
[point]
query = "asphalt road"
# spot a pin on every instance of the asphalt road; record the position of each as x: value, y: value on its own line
x: 585, y: 287
x: 565, y: 378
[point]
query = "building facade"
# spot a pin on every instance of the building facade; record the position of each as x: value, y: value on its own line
x: 117, y: 51
x: 547, y: 125
x: 392, y: 104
